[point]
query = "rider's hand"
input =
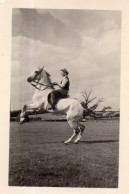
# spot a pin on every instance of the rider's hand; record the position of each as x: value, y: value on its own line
x: 54, y: 83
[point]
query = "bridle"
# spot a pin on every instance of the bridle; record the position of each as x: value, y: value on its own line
x: 36, y: 83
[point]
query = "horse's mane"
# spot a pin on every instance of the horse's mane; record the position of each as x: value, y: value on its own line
x: 49, y: 76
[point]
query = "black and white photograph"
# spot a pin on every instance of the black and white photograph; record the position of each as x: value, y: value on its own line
x: 65, y: 98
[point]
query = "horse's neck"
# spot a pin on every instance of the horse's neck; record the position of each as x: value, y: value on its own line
x: 39, y: 95
x: 43, y: 92
x: 44, y: 88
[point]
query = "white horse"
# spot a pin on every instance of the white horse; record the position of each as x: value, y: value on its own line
x: 40, y: 79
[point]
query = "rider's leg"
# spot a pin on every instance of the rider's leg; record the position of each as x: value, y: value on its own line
x: 53, y: 98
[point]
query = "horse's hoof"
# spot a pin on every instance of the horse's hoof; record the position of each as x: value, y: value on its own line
x: 76, y: 142
x: 66, y: 142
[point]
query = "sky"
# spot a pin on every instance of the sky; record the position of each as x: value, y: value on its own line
x: 85, y: 42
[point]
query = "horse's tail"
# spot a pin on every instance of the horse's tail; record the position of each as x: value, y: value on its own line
x: 84, y: 112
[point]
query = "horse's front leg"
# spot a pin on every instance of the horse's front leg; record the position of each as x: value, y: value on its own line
x: 26, y: 109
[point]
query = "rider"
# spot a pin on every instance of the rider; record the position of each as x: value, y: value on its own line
x: 62, y: 92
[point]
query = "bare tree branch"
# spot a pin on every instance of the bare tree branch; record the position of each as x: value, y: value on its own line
x: 91, y: 105
x: 91, y: 100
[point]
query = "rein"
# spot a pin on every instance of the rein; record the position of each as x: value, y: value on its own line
x: 35, y: 85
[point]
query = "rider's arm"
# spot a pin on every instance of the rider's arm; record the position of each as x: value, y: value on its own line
x: 62, y: 84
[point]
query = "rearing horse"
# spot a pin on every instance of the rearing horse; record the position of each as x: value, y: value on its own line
x: 40, y: 79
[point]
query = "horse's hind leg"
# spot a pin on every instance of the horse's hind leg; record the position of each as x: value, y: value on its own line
x: 81, y: 129
x: 72, y: 137
x: 74, y: 125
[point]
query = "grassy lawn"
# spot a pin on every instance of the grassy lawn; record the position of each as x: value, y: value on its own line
x: 38, y: 156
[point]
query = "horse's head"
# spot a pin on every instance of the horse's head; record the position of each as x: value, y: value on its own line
x: 35, y: 75
x: 40, y: 76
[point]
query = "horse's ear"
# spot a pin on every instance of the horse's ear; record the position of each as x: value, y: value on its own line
x: 42, y: 67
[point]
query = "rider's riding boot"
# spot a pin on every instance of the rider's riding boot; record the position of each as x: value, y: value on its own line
x: 52, y: 103
x: 51, y: 109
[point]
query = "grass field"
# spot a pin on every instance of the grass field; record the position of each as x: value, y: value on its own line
x: 38, y: 156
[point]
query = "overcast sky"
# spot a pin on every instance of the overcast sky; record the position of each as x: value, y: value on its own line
x: 86, y: 42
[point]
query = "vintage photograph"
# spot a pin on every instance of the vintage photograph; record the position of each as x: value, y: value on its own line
x: 65, y: 98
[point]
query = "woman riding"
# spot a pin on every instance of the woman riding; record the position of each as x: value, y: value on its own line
x: 62, y: 92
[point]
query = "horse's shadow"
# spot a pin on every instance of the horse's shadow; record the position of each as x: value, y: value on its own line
x: 98, y: 141
x: 84, y: 142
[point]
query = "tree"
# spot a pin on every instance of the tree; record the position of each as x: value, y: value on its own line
x: 91, y: 104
